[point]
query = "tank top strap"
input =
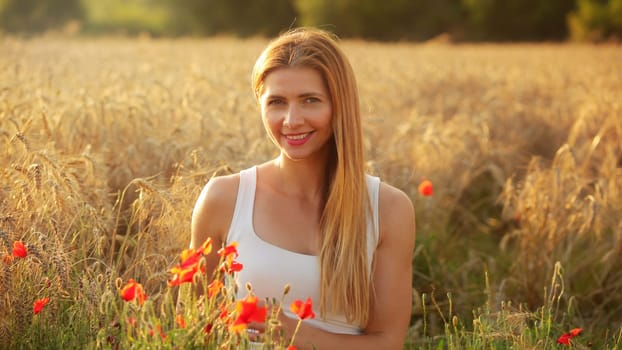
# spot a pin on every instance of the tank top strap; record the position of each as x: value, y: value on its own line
x: 243, y: 213
x: 373, y: 227
x: 373, y: 187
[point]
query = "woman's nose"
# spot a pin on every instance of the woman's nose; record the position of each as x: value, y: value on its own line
x: 292, y: 117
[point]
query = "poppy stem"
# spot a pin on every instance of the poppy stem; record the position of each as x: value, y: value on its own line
x: 291, y: 342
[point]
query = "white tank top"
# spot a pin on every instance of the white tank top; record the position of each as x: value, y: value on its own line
x: 269, y: 268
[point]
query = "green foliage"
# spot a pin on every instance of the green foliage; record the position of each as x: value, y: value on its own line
x: 239, y: 17
x: 129, y: 17
x: 506, y: 325
x: 490, y: 20
x: 596, y: 20
x: 517, y: 19
x: 399, y: 19
x: 38, y: 15
x: 421, y: 20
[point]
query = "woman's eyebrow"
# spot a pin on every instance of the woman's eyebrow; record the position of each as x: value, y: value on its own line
x: 302, y: 95
x: 311, y: 94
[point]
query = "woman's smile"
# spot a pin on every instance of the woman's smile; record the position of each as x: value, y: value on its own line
x: 298, y: 139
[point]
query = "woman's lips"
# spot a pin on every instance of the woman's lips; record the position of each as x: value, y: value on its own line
x: 298, y: 139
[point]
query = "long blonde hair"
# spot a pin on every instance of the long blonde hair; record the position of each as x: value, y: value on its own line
x: 345, y: 277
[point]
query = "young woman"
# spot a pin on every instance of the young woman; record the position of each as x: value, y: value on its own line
x: 312, y: 218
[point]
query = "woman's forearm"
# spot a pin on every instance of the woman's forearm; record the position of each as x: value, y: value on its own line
x: 309, y: 338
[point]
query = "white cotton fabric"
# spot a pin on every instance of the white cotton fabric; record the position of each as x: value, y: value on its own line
x: 268, y: 268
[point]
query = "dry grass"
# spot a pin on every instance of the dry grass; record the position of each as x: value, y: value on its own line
x: 105, y: 144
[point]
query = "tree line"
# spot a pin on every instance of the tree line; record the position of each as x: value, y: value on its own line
x: 462, y: 20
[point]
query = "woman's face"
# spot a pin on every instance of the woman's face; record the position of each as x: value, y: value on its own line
x: 297, y: 112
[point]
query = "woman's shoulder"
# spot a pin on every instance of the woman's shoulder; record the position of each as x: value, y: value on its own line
x: 214, y: 208
x: 395, y: 210
x: 392, y: 195
x: 221, y: 189
x: 222, y: 184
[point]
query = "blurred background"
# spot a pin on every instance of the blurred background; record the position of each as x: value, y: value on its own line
x: 388, y: 20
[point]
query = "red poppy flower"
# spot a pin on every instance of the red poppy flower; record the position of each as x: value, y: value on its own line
x: 247, y: 311
x: 223, y: 313
x: 19, y: 249
x: 565, y: 338
x: 206, y: 247
x: 181, y: 322
x: 189, y: 264
x: 208, y: 328
x: 183, y: 274
x: 235, y: 267
x: 133, y: 290
x: 303, y: 310
x: 230, y: 266
x: 214, y: 287
x: 291, y: 347
x: 39, y: 305
x: 425, y: 188
x: 162, y: 335
x: 192, y: 256
x: 230, y: 250
x: 159, y: 328
x: 189, y: 257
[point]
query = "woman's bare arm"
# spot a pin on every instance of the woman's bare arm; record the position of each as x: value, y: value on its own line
x: 212, y: 215
x: 392, y: 279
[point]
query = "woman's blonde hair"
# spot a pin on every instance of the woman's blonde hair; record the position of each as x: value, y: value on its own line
x: 345, y: 277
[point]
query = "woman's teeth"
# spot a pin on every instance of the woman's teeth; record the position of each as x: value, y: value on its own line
x: 297, y: 137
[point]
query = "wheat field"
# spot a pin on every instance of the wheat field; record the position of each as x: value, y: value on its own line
x: 106, y: 143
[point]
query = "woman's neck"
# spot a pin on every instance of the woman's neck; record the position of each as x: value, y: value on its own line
x: 305, y: 179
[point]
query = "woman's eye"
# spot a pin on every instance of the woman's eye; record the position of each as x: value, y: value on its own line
x: 312, y: 100
x: 274, y: 102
